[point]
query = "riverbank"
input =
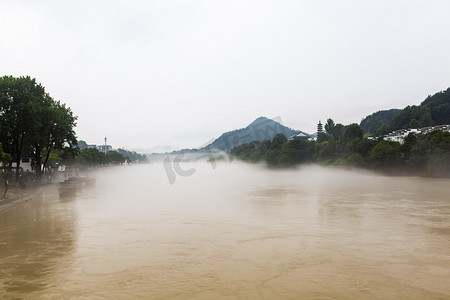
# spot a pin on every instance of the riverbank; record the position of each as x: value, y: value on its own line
x: 16, y: 196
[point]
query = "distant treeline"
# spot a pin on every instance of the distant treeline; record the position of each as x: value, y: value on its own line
x: 426, y: 155
x: 91, y: 157
x: 434, y: 110
x: 35, y: 126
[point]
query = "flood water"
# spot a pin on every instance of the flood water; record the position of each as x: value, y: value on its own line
x: 234, y: 232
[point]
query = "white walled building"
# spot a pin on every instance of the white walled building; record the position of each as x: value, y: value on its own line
x: 400, y: 135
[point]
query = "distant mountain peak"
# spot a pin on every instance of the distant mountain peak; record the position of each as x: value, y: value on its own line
x: 259, y: 120
x: 260, y: 129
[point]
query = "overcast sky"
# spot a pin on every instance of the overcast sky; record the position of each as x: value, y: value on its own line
x: 175, y: 74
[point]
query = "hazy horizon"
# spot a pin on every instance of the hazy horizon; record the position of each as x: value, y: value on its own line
x: 177, y: 74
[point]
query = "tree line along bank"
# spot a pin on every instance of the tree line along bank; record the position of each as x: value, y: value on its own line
x: 364, y: 145
x: 34, y: 125
x: 339, y: 145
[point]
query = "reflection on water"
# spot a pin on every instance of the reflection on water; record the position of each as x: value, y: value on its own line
x: 235, y: 232
x: 36, y: 240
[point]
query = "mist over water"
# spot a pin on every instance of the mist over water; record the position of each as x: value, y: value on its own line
x: 236, y: 231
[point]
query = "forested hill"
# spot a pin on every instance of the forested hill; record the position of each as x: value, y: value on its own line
x: 435, y: 110
x: 260, y: 129
x: 379, y: 123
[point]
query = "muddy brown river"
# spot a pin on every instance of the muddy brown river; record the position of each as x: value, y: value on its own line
x: 235, y: 231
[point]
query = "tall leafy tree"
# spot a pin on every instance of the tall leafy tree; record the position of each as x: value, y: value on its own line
x: 56, y: 132
x: 17, y: 122
x: 329, y: 126
x: 352, y: 131
x: 32, y: 121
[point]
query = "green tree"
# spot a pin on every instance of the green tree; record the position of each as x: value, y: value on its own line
x: 385, y: 155
x: 430, y: 154
x: 278, y: 141
x: 361, y: 146
x: 295, y: 152
x: 115, y: 157
x: 352, y: 131
x: 54, y: 131
x: 322, y: 137
x: 325, y: 151
x: 247, y: 152
x: 32, y: 121
x: 329, y: 126
x: 18, y: 122
x: 383, y: 130
x: 272, y: 157
x: 337, y: 131
x: 333, y: 129
x: 91, y: 157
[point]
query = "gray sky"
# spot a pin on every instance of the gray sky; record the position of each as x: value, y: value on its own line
x: 179, y: 73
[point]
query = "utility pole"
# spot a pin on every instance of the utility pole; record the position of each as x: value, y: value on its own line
x: 104, y: 148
